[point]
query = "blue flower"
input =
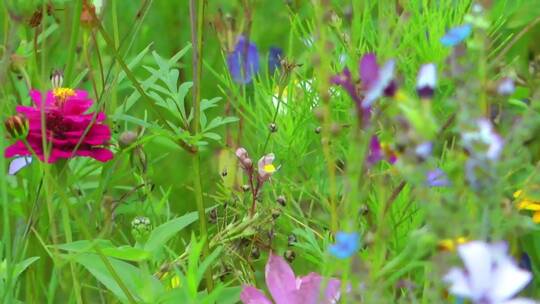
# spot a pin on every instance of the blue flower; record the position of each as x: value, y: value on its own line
x: 346, y: 245
x: 274, y: 59
x: 243, y: 62
x: 456, y: 35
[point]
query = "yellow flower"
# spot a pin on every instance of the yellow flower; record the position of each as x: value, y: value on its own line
x: 525, y: 203
x: 451, y: 244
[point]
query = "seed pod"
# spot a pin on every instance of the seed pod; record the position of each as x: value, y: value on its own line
x: 255, y: 253
x: 289, y: 255
x: 291, y: 239
x: 245, y: 188
x: 318, y: 130
x: 272, y: 127
x: 276, y: 213
x: 17, y: 126
x: 212, y: 217
x: 281, y: 200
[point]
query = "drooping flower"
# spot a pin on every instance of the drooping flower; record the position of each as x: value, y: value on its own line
x: 376, y: 81
x: 286, y: 288
x: 483, y: 143
x: 243, y: 62
x: 529, y: 204
x: 456, y: 35
x: 490, y: 275
x: 437, y: 178
x: 506, y: 87
x: 426, y: 81
x: 275, y: 55
x: 19, y: 163
x: 266, y: 167
x: 70, y: 131
x: 347, y: 244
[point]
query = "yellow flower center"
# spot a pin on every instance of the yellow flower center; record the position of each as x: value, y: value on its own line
x: 269, y: 168
x: 61, y: 94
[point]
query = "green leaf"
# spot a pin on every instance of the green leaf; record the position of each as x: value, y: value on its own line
x: 143, y: 286
x: 127, y: 253
x: 161, y: 234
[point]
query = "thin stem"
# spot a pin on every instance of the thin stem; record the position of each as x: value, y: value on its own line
x: 196, y: 11
x: 75, y: 25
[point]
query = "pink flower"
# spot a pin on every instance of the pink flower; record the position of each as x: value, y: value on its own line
x: 266, y: 167
x: 285, y: 288
x: 66, y: 123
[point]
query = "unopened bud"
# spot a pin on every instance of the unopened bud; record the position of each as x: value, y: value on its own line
x: 245, y: 188
x: 255, y: 253
x: 276, y: 213
x: 57, y: 79
x: 17, y: 126
x: 318, y: 130
x: 140, y: 228
x: 127, y: 138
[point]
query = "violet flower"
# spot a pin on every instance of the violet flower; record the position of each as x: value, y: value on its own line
x: 266, y: 167
x: 490, y: 276
x: 426, y: 81
x: 437, y: 178
x: 286, y: 288
x: 274, y: 59
x: 376, y: 152
x: 375, y: 80
x: 243, y: 62
x: 506, y: 87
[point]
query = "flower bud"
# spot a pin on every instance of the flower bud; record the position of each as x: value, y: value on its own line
x: 289, y: 255
x: 127, y: 138
x: 291, y: 239
x: 272, y: 127
x: 17, y: 126
x: 140, y: 228
x: 57, y: 79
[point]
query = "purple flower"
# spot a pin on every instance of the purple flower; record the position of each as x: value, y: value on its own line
x: 347, y: 244
x: 423, y: 150
x: 490, y: 276
x: 456, y: 35
x: 506, y: 87
x: 437, y: 178
x: 19, y: 163
x: 375, y: 151
x: 266, y: 167
x: 426, y: 81
x: 376, y: 81
x: 243, y: 62
x: 274, y: 59
x: 286, y: 288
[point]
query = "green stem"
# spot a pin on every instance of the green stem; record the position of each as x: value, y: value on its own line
x: 196, y: 11
x: 75, y: 25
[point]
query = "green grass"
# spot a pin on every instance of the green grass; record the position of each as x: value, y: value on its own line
x: 66, y: 228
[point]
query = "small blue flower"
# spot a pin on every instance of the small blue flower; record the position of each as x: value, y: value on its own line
x: 243, y: 62
x: 274, y: 59
x: 346, y: 245
x: 456, y: 35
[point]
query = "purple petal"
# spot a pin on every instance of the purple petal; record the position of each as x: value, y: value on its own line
x: 369, y: 70
x: 251, y: 295
x: 375, y: 153
x: 19, y: 163
x: 274, y: 59
x: 280, y: 279
x: 243, y: 62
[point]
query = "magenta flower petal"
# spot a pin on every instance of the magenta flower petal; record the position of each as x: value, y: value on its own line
x: 280, y: 279
x: 251, y: 295
x: 369, y: 70
x: 69, y: 130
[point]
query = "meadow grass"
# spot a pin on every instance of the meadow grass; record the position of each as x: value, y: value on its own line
x: 177, y: 215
